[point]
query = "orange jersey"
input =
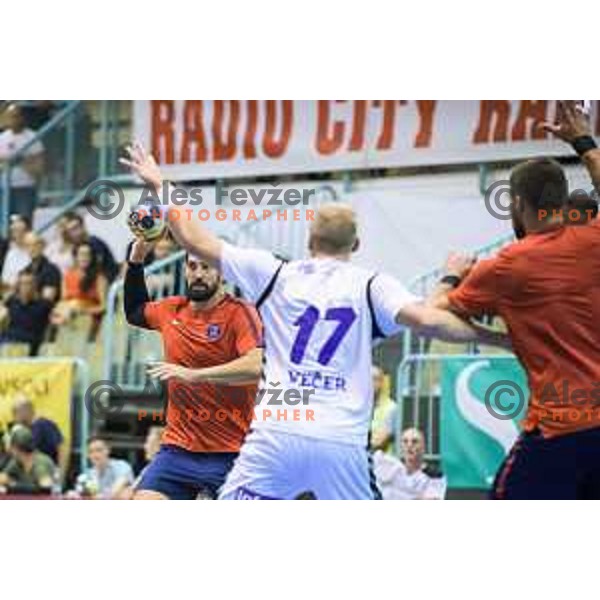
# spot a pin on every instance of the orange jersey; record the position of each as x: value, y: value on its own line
x: 206, y: 417
x: 546, y: 287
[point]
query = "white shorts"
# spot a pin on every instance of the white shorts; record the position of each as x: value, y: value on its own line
x: 275, y: 465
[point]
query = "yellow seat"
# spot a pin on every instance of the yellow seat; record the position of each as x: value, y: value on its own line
x: 71, y: 338
x: 14, y: 350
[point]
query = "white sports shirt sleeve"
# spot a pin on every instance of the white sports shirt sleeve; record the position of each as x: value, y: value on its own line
x: 388, y: 297
x: 250, y: 269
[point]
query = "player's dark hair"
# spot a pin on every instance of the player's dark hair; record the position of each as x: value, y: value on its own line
x: 541, y: 183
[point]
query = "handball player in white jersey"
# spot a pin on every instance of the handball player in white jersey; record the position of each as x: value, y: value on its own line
x: 321, y: 317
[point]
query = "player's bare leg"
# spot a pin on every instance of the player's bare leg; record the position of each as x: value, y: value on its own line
x: 148, y: 495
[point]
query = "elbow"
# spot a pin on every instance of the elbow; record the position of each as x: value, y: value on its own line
x: 135, y: 317
x: 420, y: 318
x: 424, y: 321
x: 440, y: 302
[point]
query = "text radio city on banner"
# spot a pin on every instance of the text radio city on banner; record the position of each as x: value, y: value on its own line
x: 196, y: 139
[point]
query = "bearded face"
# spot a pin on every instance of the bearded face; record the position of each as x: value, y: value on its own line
x: 203, y: 281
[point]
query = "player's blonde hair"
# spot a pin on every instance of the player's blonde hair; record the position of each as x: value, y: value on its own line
x: 334, y: 230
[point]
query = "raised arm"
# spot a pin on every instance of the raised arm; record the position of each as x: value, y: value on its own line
x: 135, y: 293
x: 189, y: 233
x: 574, y: 127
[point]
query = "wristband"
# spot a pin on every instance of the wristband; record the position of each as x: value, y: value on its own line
x: 583, y: 144
x: 451, y: 280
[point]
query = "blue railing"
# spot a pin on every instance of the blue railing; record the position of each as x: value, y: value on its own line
x: 81, y: 142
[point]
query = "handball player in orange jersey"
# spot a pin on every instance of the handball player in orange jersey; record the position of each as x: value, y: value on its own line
x: 212, y: 342
x: 546, y: 287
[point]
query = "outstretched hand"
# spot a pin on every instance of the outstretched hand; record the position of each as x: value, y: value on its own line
x: 572, y: 122
x: 143, y: 165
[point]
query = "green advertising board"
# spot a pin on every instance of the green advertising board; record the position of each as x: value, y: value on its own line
x: 483, y: 400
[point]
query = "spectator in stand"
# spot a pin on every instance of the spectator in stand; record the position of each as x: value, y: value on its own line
x: 383, y: 425
x: 17, y: 257
x: 24, y: 315
x: 47, y: 437
x: 84, y: 290
x: 111, y: 476
x: 26, y: 172
x: 60, y: 249
x: 47, y: 275
x: 29, y: 471
x: 77, y: 234
x: 409, y: 478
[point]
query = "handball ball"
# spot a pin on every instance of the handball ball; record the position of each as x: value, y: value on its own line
x: 149, y: 221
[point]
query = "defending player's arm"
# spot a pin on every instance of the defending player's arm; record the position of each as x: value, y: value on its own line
x: 243, y: 370
x: 395, y: 307
x: 189, y: 233
x: 574, y: 127
x: 448, y: 327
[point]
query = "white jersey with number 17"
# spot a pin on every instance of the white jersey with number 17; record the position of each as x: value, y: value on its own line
x: 320, y: 319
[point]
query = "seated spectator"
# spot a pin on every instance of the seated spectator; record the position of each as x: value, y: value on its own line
x: 409, y: 478
x: 25, y: 174
x: 46, y: 274
x: 110, y: 476
x: 17, y: 257
x: 29, y: 471
x: 24, y: 316
x: 84, y: 289
x: 77, y: 234
x: 385, y: 414
x: 47, y: 437
x: 60, y: 249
